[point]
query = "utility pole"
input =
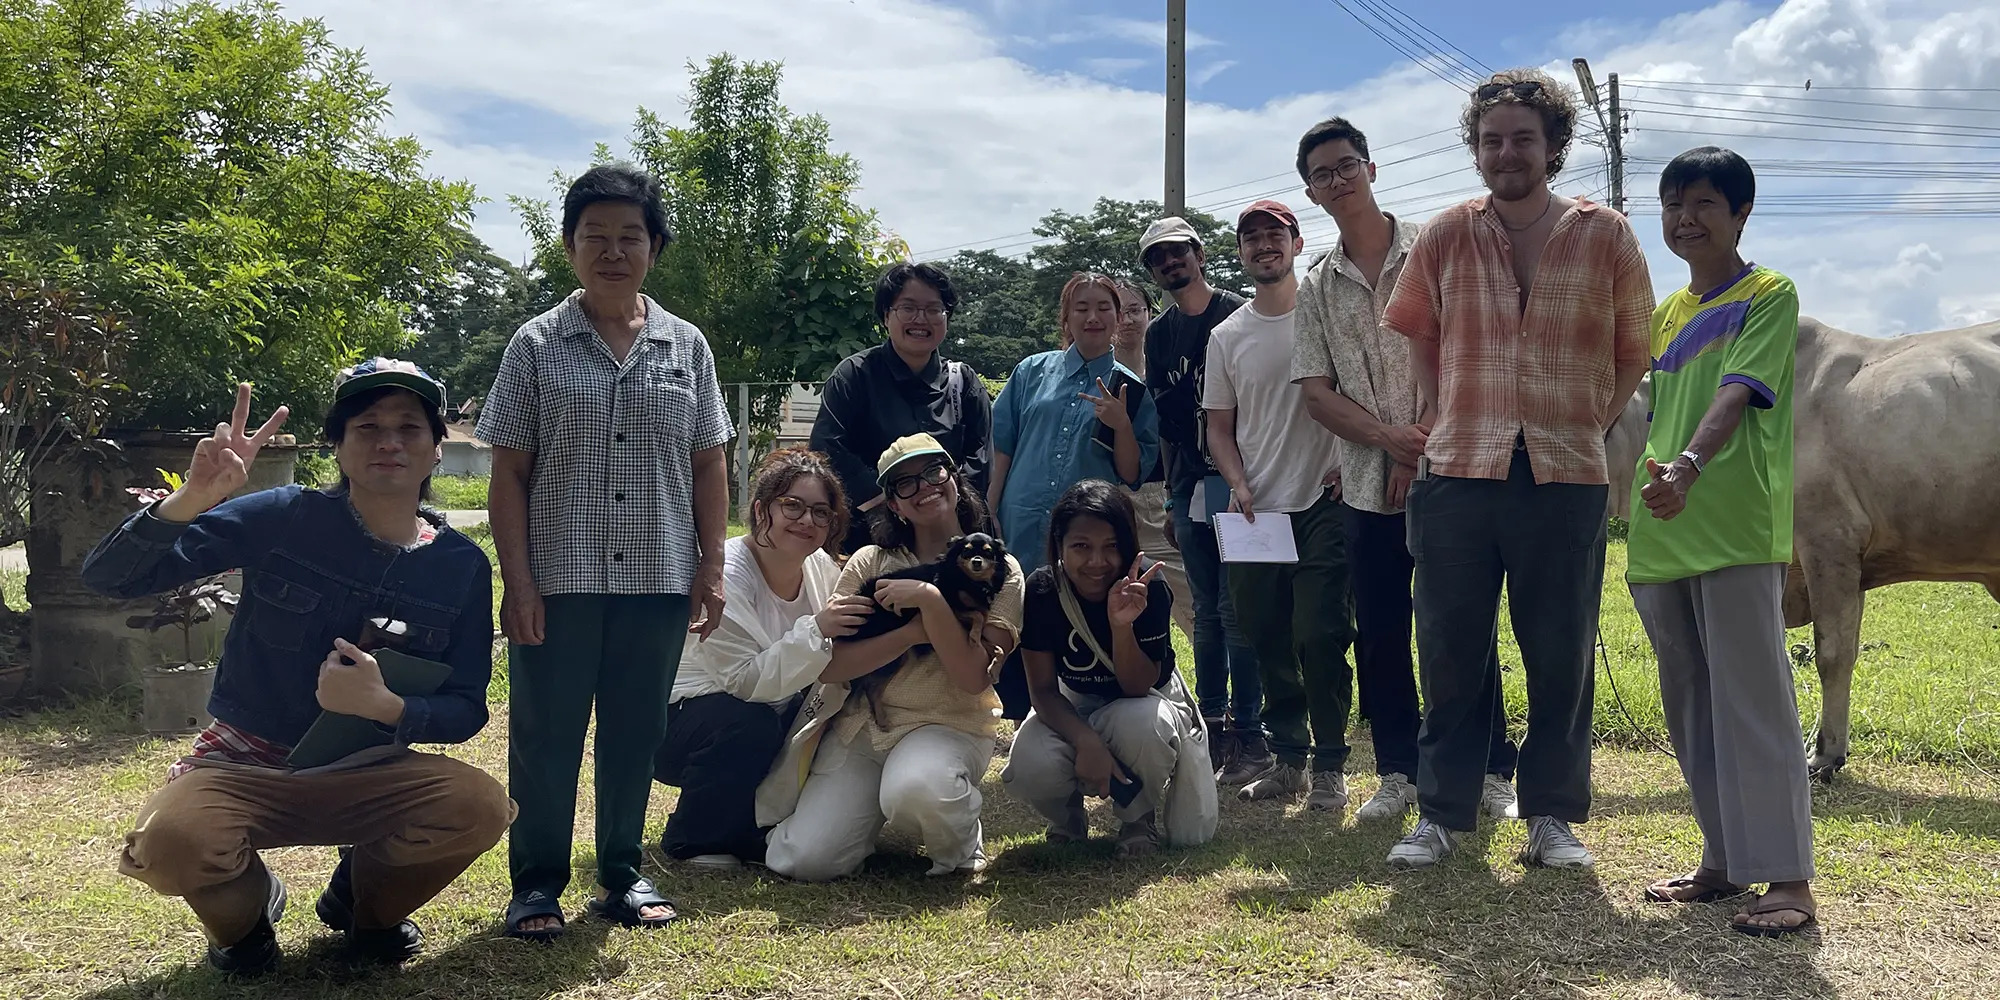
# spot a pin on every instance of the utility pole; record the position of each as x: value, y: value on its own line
x: 1176, y: 199
x: 1614, y: 129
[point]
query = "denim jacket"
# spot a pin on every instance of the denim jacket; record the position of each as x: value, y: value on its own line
x: 311, y: 573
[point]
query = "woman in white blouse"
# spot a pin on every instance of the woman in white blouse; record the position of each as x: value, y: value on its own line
x: 736, y: 693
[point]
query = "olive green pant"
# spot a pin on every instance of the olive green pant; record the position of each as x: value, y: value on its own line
x: 619, y: 652
x: 1299, y: 617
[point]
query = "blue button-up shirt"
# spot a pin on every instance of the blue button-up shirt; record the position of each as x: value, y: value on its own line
x: 1047, y: 430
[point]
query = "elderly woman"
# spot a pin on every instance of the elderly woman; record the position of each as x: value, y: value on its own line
x: 608, y: 502
x: 918, y: 769
x: 735, y: 695
x: 903, y: 387
x: 1066, y: 416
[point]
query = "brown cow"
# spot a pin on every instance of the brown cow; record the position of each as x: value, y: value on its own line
x: 1897, y: 478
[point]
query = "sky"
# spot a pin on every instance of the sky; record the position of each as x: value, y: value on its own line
x: 1879, y: 187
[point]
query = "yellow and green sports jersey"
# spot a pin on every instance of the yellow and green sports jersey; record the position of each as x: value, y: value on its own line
x: 1740, y: 511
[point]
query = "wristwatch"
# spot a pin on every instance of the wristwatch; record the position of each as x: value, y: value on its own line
x: 1693, y: 459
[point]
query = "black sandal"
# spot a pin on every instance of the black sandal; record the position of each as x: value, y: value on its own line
x: 529, y: 904
x: 625, y: 907
x: 1711, y: 891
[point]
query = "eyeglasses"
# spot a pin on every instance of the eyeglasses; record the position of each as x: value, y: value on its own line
x: 905, y: 311
x: 1524, y: 90
x: 794, y: 508
x: 1347, y: 169
x: 905, y: 487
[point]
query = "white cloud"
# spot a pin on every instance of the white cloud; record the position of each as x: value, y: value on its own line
x: 1209, y: 71
x: 1109, y: 67
x: 959, y: 142
x: 1130, y: 30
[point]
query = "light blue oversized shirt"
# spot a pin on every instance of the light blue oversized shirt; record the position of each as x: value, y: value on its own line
x: 1041, y: 423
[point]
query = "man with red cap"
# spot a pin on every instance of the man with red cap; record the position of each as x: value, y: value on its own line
x: 1277, y: 459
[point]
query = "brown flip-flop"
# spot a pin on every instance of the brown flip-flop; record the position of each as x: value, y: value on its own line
x: 1711, y: 892
x: 1763, y: 906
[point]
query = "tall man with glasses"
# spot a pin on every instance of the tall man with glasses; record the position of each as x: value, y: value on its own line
x: 1529, y: 319
x: 1357, y: 383
x: 1225, y: 667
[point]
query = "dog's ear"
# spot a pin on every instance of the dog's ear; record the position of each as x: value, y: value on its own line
x: 955, y: 539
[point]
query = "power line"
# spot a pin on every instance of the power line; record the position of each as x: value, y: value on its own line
x: 1463, y: 76
x: 1815, y: 121
x: 1816, y: 100
x: 1470, y: 59
x: 1808, y: 86
x: 1812, y: 138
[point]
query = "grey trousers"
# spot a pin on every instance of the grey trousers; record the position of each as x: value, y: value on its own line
x: 1726, y: 686
x: 1142, y: 732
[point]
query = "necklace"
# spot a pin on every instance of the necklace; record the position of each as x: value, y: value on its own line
x: 1551, y: 203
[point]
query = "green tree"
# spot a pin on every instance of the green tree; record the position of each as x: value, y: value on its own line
x: 220, y: 175
x: 463, y: 324
x: 1106, y: 239
x: 1001, y: 319
x: 772, y: 258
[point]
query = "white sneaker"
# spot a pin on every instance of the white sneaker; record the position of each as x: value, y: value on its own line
x: 1552, y: 845
x: 717, y: 862
x: 1390, y: 801
x: 1496, y: 796
x: 1329, y: 791
x: 1427, y: 845
x: 974, y: 866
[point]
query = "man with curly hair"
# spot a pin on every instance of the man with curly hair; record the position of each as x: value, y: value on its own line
x: 1529, y: 319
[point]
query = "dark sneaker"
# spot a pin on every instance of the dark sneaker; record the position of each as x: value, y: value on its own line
x: 1253, y: 760
x: 335, y: 909
x: 257, y: 953
x: 1222, y: 742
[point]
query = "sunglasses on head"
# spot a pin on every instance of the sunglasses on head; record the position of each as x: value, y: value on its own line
x: 1523, y: 90
x: 905, y: 487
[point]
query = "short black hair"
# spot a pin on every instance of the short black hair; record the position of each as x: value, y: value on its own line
x: 1104, y: 501
x: 1331, y: 130
x: 342, y: 411
x: 618, y: 182
x: 896, y: 275
x: 1724, y: 169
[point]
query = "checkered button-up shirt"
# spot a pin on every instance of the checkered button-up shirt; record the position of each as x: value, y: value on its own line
x: 1543, y: 375
x: 611, y: 501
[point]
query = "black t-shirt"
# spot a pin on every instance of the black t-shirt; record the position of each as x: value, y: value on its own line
x: 1176, y: 351
x: 1046, y: 629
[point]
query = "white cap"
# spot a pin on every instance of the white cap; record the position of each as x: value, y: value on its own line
x: 1171, y: 229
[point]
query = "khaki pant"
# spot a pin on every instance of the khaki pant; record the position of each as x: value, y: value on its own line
x: 1144, y: 733
x: 416, y: 821
x: 1155, y: 525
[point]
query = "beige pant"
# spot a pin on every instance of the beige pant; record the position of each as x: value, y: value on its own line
x: 1155, y: 530
x: 416, y: 821
x: 1142, y: 732
x: 927, y: 785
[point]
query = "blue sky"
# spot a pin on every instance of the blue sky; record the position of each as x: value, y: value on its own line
x: 971, y: 119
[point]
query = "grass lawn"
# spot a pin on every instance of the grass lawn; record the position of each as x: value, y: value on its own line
x: 458, y: 492
x: 1281, y: 904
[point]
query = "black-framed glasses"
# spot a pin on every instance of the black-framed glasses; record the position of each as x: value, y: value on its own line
x: 1524, y: 90
x: 906, y: 311
x: 794, y: 508
x: 933, y: 474
x: 1347, y: 169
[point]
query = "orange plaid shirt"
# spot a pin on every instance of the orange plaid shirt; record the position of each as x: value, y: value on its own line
x: 1545, y: 375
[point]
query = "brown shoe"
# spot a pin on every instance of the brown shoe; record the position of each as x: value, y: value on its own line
x: 1253, y: 760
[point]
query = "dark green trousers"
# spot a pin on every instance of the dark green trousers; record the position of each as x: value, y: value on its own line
x: 1299, y: 617
x: 618, y: 652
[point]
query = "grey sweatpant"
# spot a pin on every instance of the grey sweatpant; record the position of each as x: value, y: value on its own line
x: 1726, y: 686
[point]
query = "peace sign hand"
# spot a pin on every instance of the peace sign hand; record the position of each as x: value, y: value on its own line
x: 221, y: 463
x: 1110, y: 407
x: 1127, y: 600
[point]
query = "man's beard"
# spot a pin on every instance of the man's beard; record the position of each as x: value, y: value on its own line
x: 1176, y: 284
x: 1513, y: 185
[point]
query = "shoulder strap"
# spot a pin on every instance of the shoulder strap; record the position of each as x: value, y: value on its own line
x: 955, y: 390
x: 1074, y: 612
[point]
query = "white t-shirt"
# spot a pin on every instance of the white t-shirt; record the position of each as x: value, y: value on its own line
x: 1286, y: 453
x: 767, y: 648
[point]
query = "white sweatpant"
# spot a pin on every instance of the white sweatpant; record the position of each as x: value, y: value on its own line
x: 1142, y: 732
x: 927, y: 784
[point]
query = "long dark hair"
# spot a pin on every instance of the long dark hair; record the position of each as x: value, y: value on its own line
x: 776, y: 474
x: 891, y: 532
x: 1104, y: 501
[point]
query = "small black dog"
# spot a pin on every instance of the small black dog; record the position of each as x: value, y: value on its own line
x: 969, y: 575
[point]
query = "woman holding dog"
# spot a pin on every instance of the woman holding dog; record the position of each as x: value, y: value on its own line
x: 913, y: 760
x: 1110, y: 717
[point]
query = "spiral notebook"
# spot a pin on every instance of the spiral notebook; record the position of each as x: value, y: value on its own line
x: 1268, y: 539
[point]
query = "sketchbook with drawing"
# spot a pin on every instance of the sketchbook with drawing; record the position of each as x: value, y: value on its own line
x: 1265, y: 540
